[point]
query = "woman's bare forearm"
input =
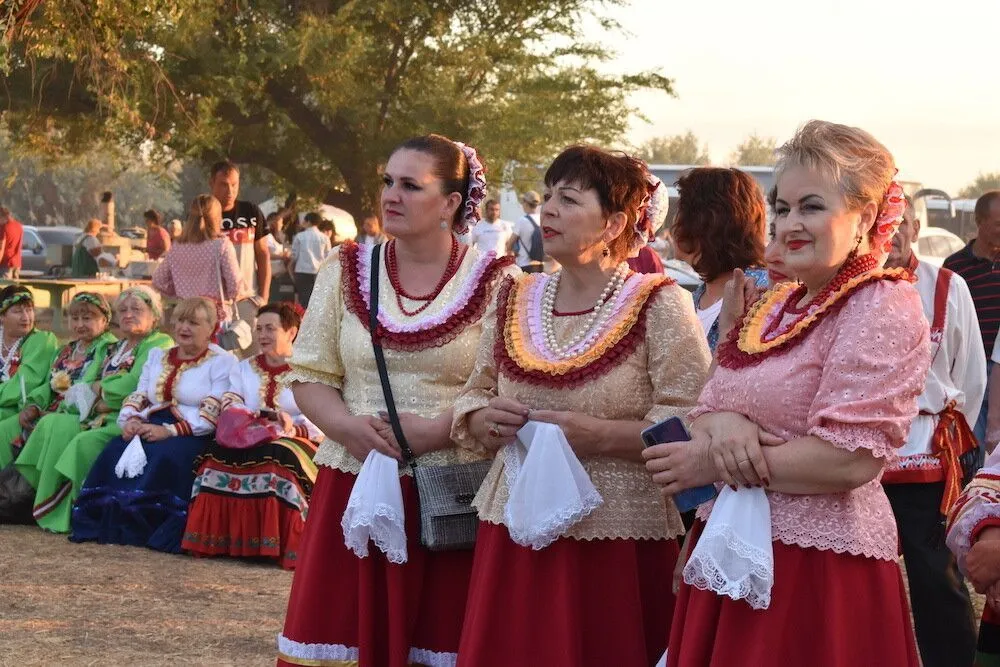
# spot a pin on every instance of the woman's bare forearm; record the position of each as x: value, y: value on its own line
x: 321, y: 404
x: 811, y: 465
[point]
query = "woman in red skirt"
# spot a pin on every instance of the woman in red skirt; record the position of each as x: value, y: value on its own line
x: 824, y: 373
x: 603, y: 353
x: 434, y: 294
x: 252, y: 501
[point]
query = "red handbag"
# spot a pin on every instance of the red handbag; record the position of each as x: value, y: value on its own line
x: 239, y: 428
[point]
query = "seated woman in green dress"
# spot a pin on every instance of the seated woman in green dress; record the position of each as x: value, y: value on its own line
x: 89, y: 317
x: 25, y: 358
x: 64, y: 445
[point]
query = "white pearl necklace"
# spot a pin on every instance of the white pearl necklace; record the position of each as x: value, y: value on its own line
x: 7, y: 359
x: 592, y: 327
x: 121, y: 354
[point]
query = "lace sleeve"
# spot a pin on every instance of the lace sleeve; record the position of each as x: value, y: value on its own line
x: 874, y: 370
x: 677, y: 354
x: 482, y: 384
x: 316, y: 356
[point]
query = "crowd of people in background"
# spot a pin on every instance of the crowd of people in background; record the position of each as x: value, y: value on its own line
x: 831, y: 392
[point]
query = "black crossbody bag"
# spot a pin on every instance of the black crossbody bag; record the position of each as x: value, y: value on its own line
x: 447, y: 519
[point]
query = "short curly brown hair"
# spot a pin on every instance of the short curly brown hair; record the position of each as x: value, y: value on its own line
x: 619, y: 180
x: 720, y: 218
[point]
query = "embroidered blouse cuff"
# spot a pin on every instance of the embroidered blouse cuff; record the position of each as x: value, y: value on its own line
x: 853, y: 437
x: 983, y: 524
x: 966, y: 527
x: 308, y: 375
x: 460, y: 433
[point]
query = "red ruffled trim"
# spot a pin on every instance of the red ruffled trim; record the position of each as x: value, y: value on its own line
x: 597, y: 368
x: 437, y: 336
x: 273, y: 373
x: 729, y: 354
x: 177, y: 366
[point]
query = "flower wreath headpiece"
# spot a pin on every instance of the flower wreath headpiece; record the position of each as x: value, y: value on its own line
x: 146, y: 295
x: 14, y: 299
x: 652, y: 213
x: 890, y: 216
x: 95, y: 300
x: 477, y: 188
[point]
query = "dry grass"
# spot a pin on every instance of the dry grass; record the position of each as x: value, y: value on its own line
x: 82, y: 604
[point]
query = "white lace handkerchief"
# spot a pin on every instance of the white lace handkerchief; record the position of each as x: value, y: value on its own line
x: 549, y: 489
x: 375, y: 510
x: 83, y: 397
x: 132, y: 462
x: 734, y: 555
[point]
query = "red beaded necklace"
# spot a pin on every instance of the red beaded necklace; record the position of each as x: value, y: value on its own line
x: 454, y: 260
x: 851, y: 269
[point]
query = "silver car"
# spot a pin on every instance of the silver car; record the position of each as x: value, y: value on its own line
x: 45, y: 248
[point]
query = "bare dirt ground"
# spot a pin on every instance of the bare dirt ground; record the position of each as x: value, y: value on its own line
x: 83, y: 604
x: 92, y: 604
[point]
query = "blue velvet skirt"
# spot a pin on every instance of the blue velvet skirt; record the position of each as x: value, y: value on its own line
x: 149, y: 510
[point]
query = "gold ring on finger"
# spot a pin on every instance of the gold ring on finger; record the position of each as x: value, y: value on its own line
x: 494, y: 430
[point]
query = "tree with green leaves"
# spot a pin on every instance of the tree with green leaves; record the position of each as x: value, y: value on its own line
x: 982, y: 184
x: 316, y: 92
x: 676, y: 149
x: 755, y: 151
x: 68, y: 192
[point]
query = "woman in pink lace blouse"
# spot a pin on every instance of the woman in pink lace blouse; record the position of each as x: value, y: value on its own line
x: 202, y: 262
x: 814, y: 390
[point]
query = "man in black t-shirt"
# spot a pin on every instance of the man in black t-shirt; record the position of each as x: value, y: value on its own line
x: 246, y: 227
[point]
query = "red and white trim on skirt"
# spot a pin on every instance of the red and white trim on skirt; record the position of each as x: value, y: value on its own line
x: 338, y: 655
x: 346, y: 611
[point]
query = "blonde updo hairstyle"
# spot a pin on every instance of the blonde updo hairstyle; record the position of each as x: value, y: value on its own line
x: 855, y: 160
x: 204, y: 220
x: 188, y: 309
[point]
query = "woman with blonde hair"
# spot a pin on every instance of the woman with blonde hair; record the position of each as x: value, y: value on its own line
x: 203, y: 261
x: 844, y: 354
x: 138, y: 494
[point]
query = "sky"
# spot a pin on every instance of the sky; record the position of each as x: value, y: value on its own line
x: 921, y: 76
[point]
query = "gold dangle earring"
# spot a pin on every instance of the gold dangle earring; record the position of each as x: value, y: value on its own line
x: 854, y: 252
x: 606, y: 252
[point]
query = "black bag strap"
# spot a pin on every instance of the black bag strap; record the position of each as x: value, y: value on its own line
x: 383, y: 374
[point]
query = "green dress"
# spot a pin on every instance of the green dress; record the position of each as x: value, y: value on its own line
x: 60, y: 451
x: 83, y: 264
x: 31, y: 363
x: 44, y: 397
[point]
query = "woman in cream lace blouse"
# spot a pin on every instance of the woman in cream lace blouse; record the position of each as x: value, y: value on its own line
x: 600, y: 593
x: 434, y: 295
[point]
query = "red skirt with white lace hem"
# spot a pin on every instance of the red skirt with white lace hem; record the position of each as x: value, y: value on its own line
x: 827, y: 610
x: 346, y: 610
x: 575, y: 603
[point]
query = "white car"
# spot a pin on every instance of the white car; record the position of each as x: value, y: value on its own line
x: 682, y: 273
x: 936, y: 244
